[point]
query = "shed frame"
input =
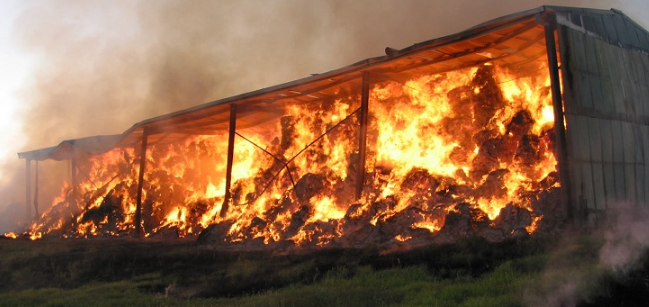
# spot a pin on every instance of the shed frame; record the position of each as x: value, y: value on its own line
x: 599, y: 69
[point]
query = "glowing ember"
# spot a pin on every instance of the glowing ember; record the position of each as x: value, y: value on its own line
x: 467, y: 150
x: 10, y: 235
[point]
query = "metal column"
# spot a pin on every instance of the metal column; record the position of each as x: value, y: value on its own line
x: 36, y: 216
x: 28, y: 190
x: 228, y: 171
x: 559, y: 127
x: 362, y: 138
x: 73, y: 179
x: 140, y: 183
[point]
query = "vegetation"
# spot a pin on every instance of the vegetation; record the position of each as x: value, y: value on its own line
x: 126, y: 272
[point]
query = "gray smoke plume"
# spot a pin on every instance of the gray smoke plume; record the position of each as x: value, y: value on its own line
x: 577, y: 267
x: 626, y: 238
x: 103, y: 66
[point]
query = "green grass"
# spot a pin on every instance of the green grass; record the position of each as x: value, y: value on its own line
x: 123, y: 293
x: 155, y: 273
x: 408, y: 286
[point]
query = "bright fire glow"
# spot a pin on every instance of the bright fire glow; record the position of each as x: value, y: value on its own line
x: 481, y: 136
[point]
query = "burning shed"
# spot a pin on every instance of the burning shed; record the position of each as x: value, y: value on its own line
x: 509, y: 127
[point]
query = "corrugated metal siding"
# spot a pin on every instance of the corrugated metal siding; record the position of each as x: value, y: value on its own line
x: 606, y: 96
x: 610, y: 26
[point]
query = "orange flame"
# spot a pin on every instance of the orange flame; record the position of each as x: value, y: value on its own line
x: 481, y: 135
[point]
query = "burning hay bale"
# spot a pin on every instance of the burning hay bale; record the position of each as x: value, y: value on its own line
x: 449, y: 156
x: 309, y: 186
x: 513, y: 220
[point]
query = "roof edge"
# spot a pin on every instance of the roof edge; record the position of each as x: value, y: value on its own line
x: 357, y: 66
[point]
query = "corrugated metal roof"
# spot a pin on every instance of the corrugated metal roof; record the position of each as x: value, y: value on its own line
x: 92, y: 145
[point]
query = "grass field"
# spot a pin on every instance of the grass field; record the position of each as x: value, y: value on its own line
x: 126, y: 272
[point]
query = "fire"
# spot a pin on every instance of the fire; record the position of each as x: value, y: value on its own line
x: 472, y: 142
x: 10, y: 235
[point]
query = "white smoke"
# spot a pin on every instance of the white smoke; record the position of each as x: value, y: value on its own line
x: 580, y: 263
x: 102, y: 66
x: 626, y: 238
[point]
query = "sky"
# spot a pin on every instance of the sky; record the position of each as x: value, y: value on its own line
x: 14, y: 68
x: 72, y: 68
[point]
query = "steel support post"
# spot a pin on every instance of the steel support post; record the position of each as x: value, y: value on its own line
x: 362, y: 137
x: 73, y: 179
x: 140, y: 183
x: 28, y: 190
x: 559, y: 127
x: 36, y: 216
x: 228, y: 171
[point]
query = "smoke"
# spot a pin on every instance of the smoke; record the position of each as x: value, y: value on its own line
x: 626, y: 239
x: 580, y: 264
x: 103, y: 66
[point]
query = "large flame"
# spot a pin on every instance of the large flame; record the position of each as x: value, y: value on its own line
x: 476, y: 140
